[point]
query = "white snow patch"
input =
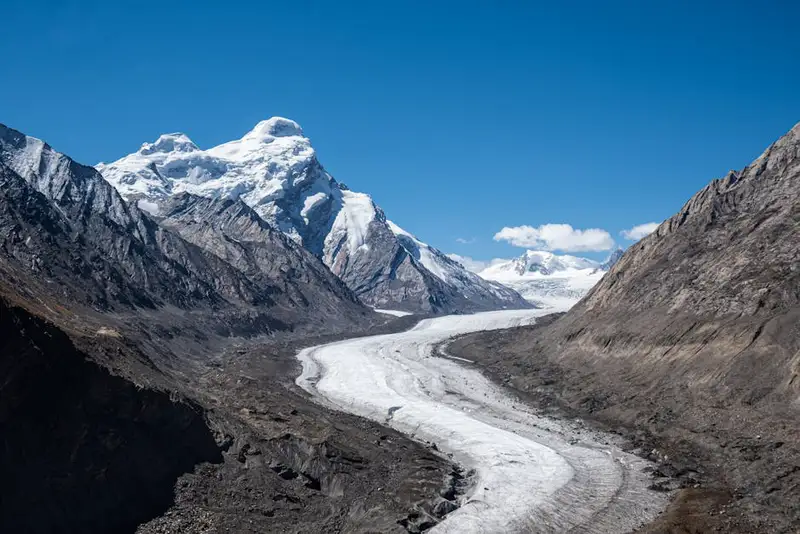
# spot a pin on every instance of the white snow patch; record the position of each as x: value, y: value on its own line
x: 352, y: 221
x: 396, y: 313
x: 310, y: 202
x: 148, y: 206
x: 259, y: 167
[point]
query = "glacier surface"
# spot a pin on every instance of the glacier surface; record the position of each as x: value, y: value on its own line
x: 530, y: 471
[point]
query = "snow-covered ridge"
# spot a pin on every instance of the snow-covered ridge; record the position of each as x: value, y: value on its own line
x: 546, y: 279
x: 174, y: 142
x: 274, y: 169
x: 268, y: 162
x: 426, y: 255
x: 449, y: 271
x: 541, y: 263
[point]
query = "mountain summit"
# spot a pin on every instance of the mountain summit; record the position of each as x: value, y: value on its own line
x: 549, y: 280
x: 174, y: 142
x: 274, y: 170
x: 276, y: 127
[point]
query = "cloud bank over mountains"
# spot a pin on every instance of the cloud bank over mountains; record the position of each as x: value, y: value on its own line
x: 556, y: 237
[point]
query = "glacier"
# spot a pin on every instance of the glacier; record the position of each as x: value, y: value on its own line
x: 530, y: 472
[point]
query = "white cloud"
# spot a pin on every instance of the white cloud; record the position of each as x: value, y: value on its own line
x: 556, y: 237
x: 473, y: 265
x: 464, y: 241
x: 639, y: 231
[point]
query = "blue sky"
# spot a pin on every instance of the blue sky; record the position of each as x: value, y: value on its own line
x: 459, y: 118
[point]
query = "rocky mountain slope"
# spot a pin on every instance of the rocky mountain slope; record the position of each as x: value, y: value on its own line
x: 147, y: 363
x: 83, y: 450
x: 98, y: 436
x: 232, y: 231
x: 275, y: 170
x: 692, y: 340
x: 69, y: 231
x: 549, y: 280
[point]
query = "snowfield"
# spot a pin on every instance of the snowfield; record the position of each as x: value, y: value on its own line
x: 531, y: 472
x: 396, y: 313
x: 544, y: 279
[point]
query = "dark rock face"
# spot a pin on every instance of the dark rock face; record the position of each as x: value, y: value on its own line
x: 99, y: 265
x: 65, y: 220
x: 233, y: 232
x: 400, y: 283
x: 82, y: 450
x: 99, y: 227
x: 693, y: 338
x: 732, y: 249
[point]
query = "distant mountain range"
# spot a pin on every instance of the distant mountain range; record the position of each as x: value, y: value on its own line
x: 274, y: 170
x: 545, y: 279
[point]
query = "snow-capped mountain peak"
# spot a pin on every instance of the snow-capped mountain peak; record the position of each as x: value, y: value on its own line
x: 547, y: 279
x: 274, y: 169
x: 541, y: 262
x: 174, y: 142
x: 275, y: 127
